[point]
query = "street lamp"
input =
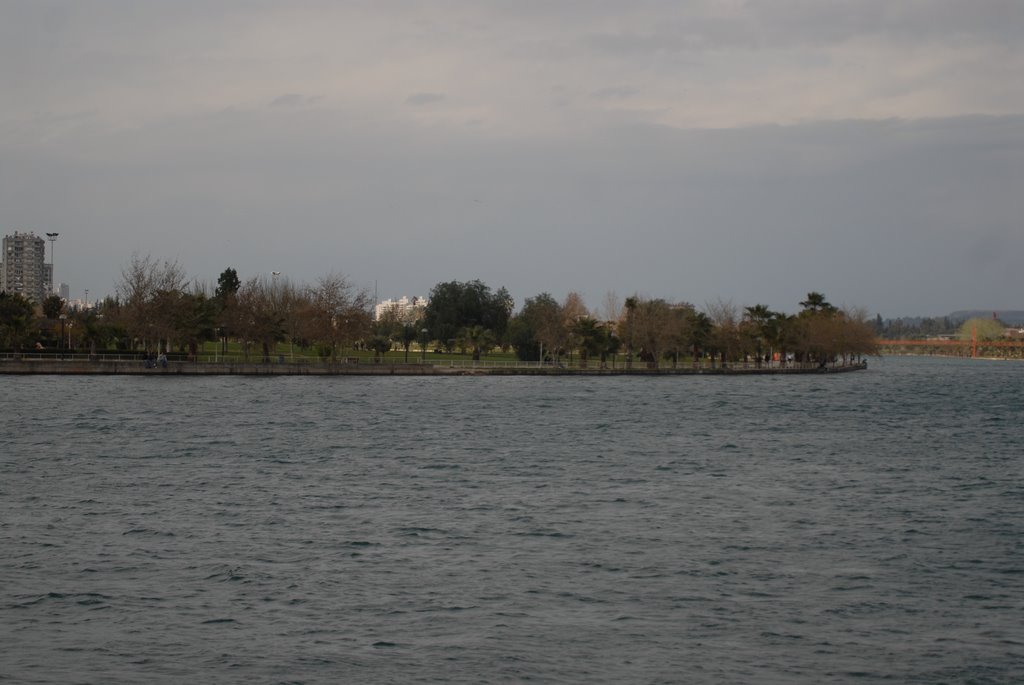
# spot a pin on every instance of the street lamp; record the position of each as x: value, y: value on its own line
x: 423, y: 347
x: 52, y: 237
x: 273, y: 283
x: 63, y: 318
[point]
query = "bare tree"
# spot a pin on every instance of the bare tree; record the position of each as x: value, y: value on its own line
x: 550, y: 327
x: 679, y: 332
x: 338, y: 313
x: 657, y: 328
x: 726, y: 336
x: 612, y: 310
x: 854, y: 334
x: 256, y: 315
x: 293, y: 304
x: 860, y: 336
x: 152, y: 296
x: 573, y: 310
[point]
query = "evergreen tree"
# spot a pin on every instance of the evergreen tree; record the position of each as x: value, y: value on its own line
x: 16, y: 316
x: 228, y: 283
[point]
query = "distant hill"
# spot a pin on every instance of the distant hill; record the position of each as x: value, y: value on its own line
x: 1011, y: 317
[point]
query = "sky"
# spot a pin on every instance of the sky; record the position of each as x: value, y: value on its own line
x: 695, y: 150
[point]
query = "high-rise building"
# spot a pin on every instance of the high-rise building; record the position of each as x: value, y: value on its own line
x: 24, y: 269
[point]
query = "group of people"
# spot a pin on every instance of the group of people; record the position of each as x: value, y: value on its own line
x: 152, y: 361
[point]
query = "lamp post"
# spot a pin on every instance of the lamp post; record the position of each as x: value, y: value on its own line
x: 52, y: 237
x: 63, y: 318
x: 276, y: 295
x: 423, y: 346
x: 631, y: 304
x: 629, y: 356
x: 92, y: 344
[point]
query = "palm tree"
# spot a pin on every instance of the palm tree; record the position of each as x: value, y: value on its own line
x: 407, y: 336
x: 380, y: 344
x: 816, y: 302
x: 610, y: 345
x: 479, y: 338
x: 589, y: 334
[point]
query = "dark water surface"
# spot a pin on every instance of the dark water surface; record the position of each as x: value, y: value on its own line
x: 861, y: 527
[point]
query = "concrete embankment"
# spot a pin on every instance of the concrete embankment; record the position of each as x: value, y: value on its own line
x: 133, y: 368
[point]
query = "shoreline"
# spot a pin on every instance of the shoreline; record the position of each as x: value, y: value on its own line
x: 137, y: 368
x: 951, y: 356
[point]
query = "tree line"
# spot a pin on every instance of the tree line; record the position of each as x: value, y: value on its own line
x: 655, y: 332
x: 157, y: 309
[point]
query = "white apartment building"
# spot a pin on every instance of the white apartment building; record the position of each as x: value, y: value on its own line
x: 405, y: 309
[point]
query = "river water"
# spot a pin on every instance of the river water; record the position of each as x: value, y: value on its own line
x: 860, y: 527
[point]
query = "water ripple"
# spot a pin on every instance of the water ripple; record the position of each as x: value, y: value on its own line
x: 858, y: 528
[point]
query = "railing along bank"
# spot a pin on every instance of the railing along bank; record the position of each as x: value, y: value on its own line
x: 618, y: 365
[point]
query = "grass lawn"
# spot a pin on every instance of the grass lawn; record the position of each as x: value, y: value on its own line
x: 236, y: 351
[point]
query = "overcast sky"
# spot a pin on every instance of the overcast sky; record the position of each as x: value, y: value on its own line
x: 694, y: 150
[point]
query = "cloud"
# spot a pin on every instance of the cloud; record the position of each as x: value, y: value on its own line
x: 615, y: 93
x: 294, y: 100
x: 420, y: 99
x: 705, y: 63
x: 690, y: 150
x: 856, y: 209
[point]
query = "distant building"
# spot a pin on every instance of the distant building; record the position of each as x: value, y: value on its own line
x: 404, y: 309
x: 80, y: 305
x: 64, y: 290
x: 24, y: 269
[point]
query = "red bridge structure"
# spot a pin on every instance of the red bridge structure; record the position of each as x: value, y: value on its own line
x: 1009, y: 348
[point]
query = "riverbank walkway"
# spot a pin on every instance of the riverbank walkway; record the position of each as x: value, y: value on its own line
x: 84, y: 365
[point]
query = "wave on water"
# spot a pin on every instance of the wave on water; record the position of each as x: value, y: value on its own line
x: 854, y: 528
